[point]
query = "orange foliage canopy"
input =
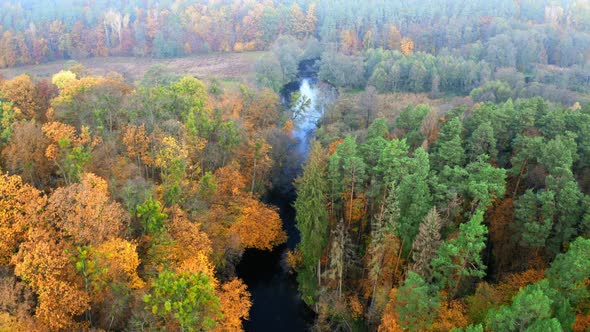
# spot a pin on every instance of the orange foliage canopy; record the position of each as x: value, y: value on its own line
x: 191, y: 247
x: 235, y: 304
x: 582, y: 322
x: 389, y: 319
x: 21, y: 91
x: 18, y: 201
x: 44, y: 263
x: 451, y: 315
x: 259, y: 226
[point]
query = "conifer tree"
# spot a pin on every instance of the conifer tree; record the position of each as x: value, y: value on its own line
x: 427, y: 243
x: 449, y: 150
x: 414, y: 197
x: 312, y: 221
x: 416, y: 303
x: 461, y: 257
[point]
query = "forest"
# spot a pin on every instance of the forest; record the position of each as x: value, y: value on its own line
x: 373, y: 166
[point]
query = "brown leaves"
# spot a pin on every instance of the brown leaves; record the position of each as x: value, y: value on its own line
x: 59, y: 303
x: 85, y: 212
x: 582, y: 322
x: 393, y: 38
x: 61, y: 134
x: 358, y: 207
x: 25, y: 153
x: 262, y: 113
x: 514, y: 282
x: 501, y: 218
x: 489, y: 296
x: 138, y: 144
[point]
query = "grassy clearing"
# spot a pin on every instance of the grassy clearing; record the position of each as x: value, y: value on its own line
x: 226, y: 67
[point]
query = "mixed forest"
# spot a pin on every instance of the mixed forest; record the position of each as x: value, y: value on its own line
x: 446, y: 188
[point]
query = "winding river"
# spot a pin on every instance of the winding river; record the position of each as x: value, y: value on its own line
x: 276, y: 304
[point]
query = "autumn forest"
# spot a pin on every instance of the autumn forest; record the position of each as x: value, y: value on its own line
x: 296, y: 165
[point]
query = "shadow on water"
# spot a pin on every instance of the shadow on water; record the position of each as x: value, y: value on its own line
x: 276, y: 303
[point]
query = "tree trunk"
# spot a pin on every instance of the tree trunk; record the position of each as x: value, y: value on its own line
x: 524, y: 165
x: 399, y: 256
x: 319, y: 273
x: 351, y: 199
x: 253, y: 176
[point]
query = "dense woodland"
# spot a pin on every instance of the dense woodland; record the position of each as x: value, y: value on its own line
x: 434, y: 223
x: 447, y: 188
x: 127, y: 207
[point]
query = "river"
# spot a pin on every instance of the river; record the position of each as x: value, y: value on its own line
x: 276, y: 304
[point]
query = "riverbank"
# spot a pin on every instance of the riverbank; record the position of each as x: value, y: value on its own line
x: 277, y: 305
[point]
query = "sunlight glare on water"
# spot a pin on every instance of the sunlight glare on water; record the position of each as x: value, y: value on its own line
x: 305, y: 123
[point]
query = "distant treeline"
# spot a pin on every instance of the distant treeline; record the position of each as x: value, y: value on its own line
x: 554, y: 32
x: 392, y: 71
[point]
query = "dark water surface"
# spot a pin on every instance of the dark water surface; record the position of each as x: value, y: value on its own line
x: 276, y: 304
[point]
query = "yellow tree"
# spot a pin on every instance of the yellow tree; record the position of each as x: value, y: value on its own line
x: 191, y: 246
x: 451, y: 315
x: 368, y: 40
x: 8, y: 56
x: 172, y: 159
x: 109, y: 273
x: 63, y: 79
x: 21, y: 92
x: 407, y: 46
x: 297, y: 22
x: 311, y: 20
x: 120, y: 262
x: 349, y: 42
